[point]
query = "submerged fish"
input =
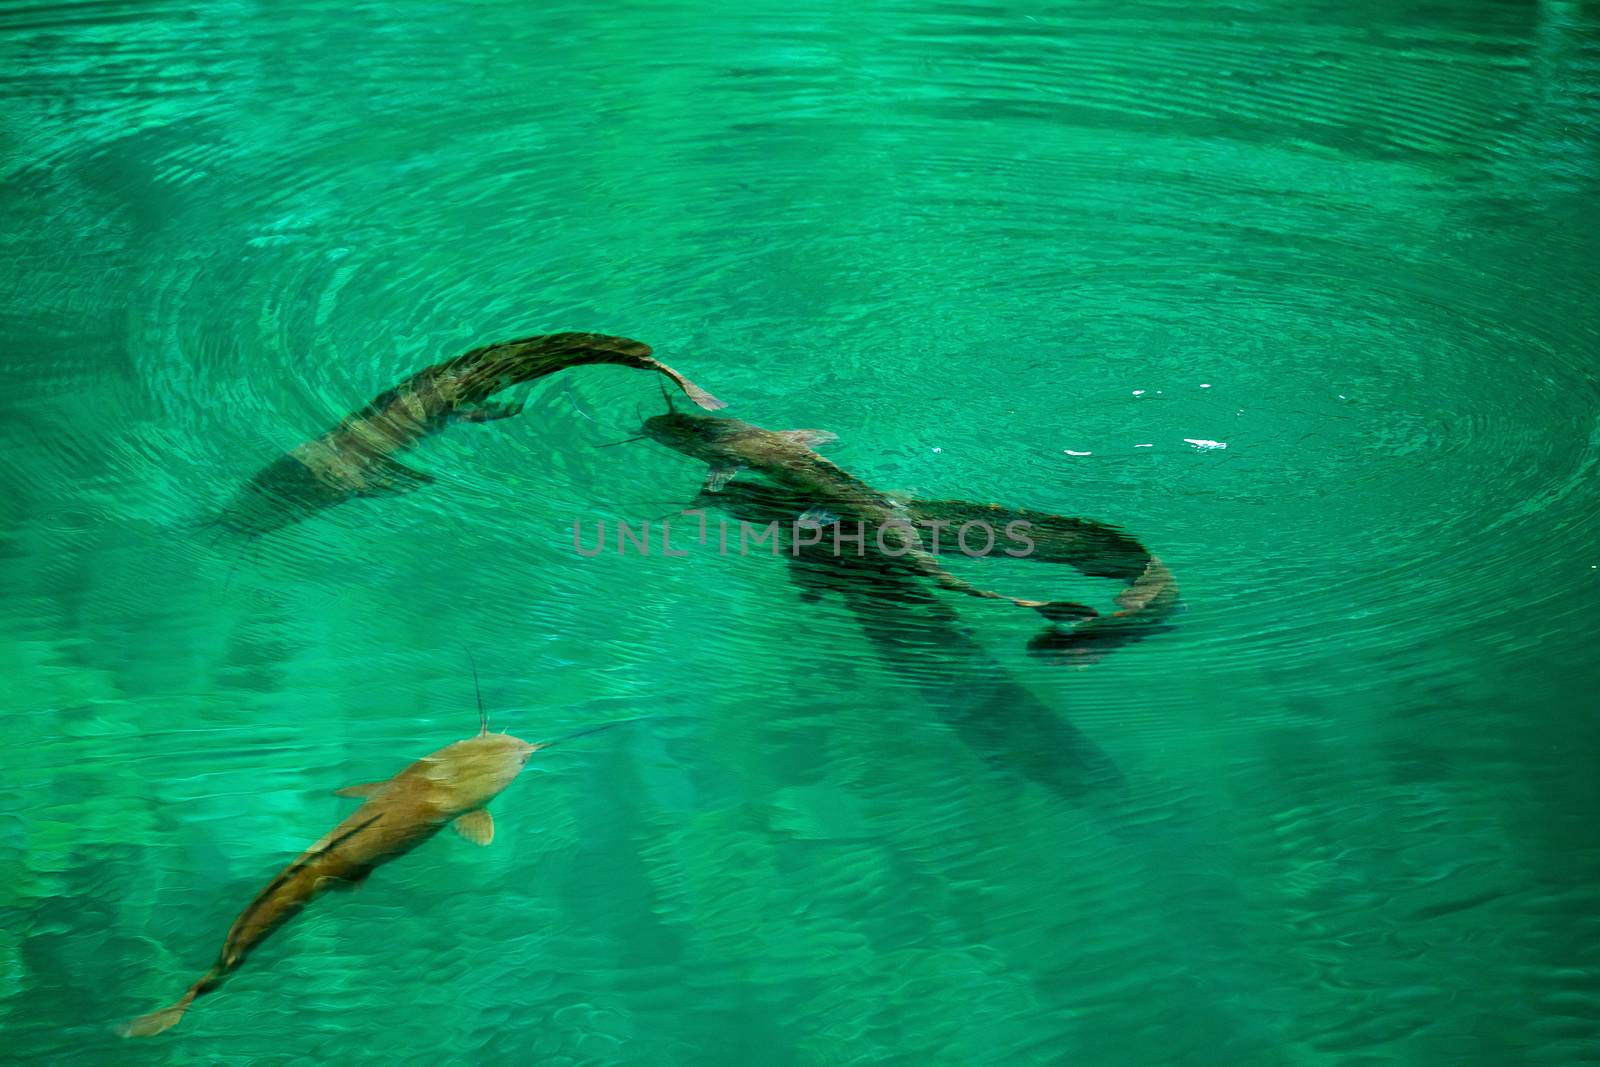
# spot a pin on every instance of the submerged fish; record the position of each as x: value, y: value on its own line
x: 787, y: 458
x: 823, y: 491
x: 1097, y: 549
x: 357, y: 457
x: 447, y: 788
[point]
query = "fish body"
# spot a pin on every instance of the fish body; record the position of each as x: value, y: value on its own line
x: 786, y: 458
x: 358, y: 457
x: 1144, y: 606
x: 448, y: 787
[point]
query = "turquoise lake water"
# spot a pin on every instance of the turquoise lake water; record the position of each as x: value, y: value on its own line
x: 1301, y: 295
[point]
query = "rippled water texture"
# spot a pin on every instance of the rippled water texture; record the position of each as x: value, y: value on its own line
x: 1300, y: 294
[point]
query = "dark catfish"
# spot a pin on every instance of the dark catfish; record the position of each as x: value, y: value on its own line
x: 357, y: 458
x: 787, y: 459
x: 1144, y: 605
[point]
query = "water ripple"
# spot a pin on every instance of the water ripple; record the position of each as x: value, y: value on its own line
x: 1297, y: 295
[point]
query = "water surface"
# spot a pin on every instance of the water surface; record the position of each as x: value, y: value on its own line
x: 1299, y: 293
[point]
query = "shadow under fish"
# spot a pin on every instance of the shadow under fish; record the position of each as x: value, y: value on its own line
x: 357, y: 458
x: 922, y: 638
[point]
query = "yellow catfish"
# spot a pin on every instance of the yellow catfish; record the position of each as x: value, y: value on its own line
x: 447, y: 788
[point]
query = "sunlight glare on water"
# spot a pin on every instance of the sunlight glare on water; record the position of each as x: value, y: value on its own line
x: 1300, y: 295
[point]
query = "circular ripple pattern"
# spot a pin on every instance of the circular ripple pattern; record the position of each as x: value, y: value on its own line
x: 1300, y: 296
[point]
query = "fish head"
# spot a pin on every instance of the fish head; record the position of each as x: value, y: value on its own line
x: 477, y: 769
x: 711, y: 440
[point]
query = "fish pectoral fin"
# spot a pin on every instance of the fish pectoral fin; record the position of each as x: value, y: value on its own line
x: 717, y: 477
x: 809, y: 438
x: 363, y: 789
x: 816, y: 518
x: 476, y: 826
x: 387, y: 476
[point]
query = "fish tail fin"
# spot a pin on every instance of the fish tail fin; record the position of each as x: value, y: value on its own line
x: 157, y: 1021
x: 702, y: 398
x: 166, y: 1018
x: 690, y: 389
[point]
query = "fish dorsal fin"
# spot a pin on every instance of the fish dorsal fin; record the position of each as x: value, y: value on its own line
x: 809, y: 438
x: 476, y: 826
x: 363, y: 789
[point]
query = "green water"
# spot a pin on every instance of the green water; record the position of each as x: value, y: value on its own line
x: 1343, y: 813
